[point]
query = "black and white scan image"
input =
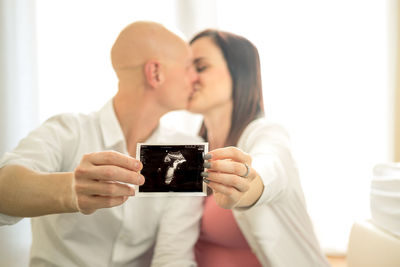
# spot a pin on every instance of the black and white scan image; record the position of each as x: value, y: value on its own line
x: 172, y: 169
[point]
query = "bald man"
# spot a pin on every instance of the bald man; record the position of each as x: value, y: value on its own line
x: 79, y: 170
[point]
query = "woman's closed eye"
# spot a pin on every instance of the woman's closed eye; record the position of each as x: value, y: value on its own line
x: 201, y: 68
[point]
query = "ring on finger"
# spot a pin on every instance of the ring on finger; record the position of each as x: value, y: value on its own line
x: 247, y: 170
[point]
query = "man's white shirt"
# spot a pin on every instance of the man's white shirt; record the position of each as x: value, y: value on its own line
x: 127, y: 235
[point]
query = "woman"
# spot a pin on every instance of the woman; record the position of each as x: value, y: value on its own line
x: 256, y: 215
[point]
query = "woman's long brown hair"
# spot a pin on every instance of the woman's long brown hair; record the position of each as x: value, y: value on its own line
x: 244, y: 67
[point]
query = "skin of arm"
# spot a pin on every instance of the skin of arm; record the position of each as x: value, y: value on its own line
x: 26, y: 193
x: 101, y: 180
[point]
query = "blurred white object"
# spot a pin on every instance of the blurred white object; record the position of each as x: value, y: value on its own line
x: 385, y: 197
x: 371, y: 246
x: 376, y: 243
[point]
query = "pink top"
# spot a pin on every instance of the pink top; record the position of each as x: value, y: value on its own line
x: 221, y: 243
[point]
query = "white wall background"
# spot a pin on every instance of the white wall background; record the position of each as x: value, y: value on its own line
x: 18, y: 105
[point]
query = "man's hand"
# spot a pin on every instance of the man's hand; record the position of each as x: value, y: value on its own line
x: 104, y: 180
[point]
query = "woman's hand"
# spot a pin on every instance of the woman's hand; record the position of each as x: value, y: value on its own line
x: 230, y: 175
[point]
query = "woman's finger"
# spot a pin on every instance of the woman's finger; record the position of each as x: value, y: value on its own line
x: 230, y: 167
x: 228, y: 180
x: 228, y: 191
x: 231, y: 152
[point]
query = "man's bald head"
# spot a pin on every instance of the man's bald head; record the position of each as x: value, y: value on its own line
x: 142, y: 41
x: 154, y: 66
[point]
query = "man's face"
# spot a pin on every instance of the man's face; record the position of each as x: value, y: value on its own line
x: 180, y: 76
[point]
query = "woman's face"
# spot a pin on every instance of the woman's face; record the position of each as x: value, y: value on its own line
x: 214, y: 87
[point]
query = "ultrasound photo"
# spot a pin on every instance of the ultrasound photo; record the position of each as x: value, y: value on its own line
x: 172, y: 169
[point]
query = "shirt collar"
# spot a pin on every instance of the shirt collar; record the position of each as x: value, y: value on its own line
x: 110, y: 127
x: 155, y: 136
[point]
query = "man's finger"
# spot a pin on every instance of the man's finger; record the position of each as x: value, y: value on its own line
x: 90, y: 187
x: 114, y: 158
x: 111, y: 173
x: 89, y: 204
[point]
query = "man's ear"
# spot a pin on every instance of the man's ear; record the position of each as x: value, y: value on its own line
x: 153, y: 73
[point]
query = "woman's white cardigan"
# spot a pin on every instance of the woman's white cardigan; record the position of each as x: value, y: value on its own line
x: 277, y: 227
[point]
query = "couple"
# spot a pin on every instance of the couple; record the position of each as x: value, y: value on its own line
x: 75, y: 171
